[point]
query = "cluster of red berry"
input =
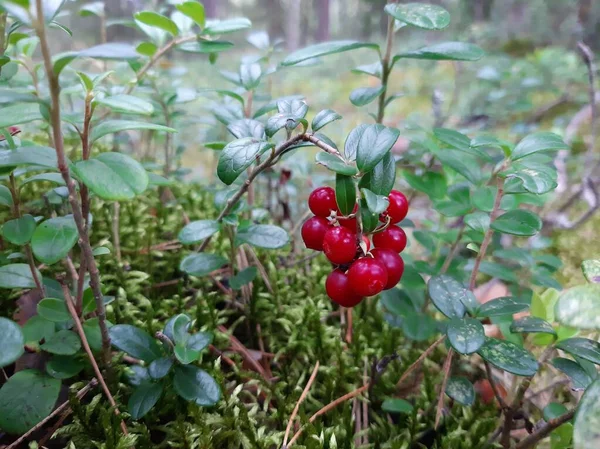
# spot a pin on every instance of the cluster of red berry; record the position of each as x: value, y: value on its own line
x: 360, y: 271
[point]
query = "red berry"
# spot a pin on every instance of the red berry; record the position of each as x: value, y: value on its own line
x: 339, y: 245
x: 393, y: 264
x: 313, y: 231
x: 397, y: 209
x: 338, y: 289
x: 367, y: 242
x: 349, y: 223
x: 393, y: 237
x: 322, y: 201
x: 367, y: 276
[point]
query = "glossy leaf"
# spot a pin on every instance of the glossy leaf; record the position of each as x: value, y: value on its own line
x: 478, y: 221
x: 53, y: 309
x: 135, y: 342
x: 154, y: 19
x: 107, y: 127
x: 201, y: 264
x: 250, y: 75
x: 587, y: 419
x: 535, y: 178
x: 63, y: 342
x: 323, y: 118
x: 12, y: 342
x: 34, y: 155
x: 242, y: 278
x: 214, y: 27
x: 54, y: 238
x: 113, y: 176
x: 449, y: 295
x: 247, y: 128
x: 55, y: 178
x: 335, y: 164
x: 376, y: 203
x: 461, y: 390
x: 580, y: 307
x: 323, y: 49
x: 19, y: 114
x: 445, y: 51
x: 580, y: 379
x: 374, y: 143
x: 518, y: 222
x: 196, y: 385
x: 177, y: 328
x: 146, y: 49
x: 25, y: 399
x: 239, y: 155
x: 396, y: 405
x: 582, y: 347
x: 64, y: 367
x: 373, y: 69
x: 143, y: 399
x: 345, y: 193
x: 159, y: 368
x: 17, y: 275
x: 362, y: 96
x: 532, y: 324
x: 466, y: 335
x: 200, y: 340
x: 5, y: 196
x: 263, y: 236
x: 431, y: 183
x: 19, y: 230
x: 185, y: 355
x: 381, y: 179
x: 36, y: 329
x: 509, y: 357
x: 505, y: 305
x: 194, y: 10
x: 110, y: 51
x: 126, y: 104
x: 196, y: 231
x: 421, y: 15
x: 538, y: 143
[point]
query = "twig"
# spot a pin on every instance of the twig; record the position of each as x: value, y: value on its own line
x: 64, y: 407
x: 422, y: 357
x: 300, y: 401
x: 260, y: 267
x: 88, y: 351
x: 84, y: 241
x: 386, y: 68
x: 588, y: 58
x: 452, y: 251
x: 116, y: 232
x: 499, y: 398
x: 440, y: 404
x: 488, y: 234
x: 239, y: 347
x: 531, y: 440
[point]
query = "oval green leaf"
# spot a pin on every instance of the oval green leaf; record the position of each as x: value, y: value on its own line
x: 461, y: 390
x: 263, y: 236
x: 445, y: 51
x: 196, y: 231
x: 323, y: 49
x: 505, y: 305
x: 323, y: 118
x: 449, y: 295
x: 345, y: 193
x: 201, y: 264
x: 143, y: 399
x: 54, y: 238
x: 466, y: 335
x: 374, y: 143
x: 582, y: 347
x: 17, y: 275
x: 135, y: 342
x: 536, y: 143
x: 509, y: 357
x: 239, y: 155
x: 194, y: 384
x: 126, y: 104
x: 64, y: 367
x: 53, y: 309
x: 420, y: 15
x: 335, y: 164
x: 157, y: 20
x: 396, y: 405
x: 532, y: 324
x: 587, y: 419
x: 518, y: 222
x: 580, y: 379
x: 19, y: 230
x: 107, y: 127
x: 12, y: 342
x: 580, y: 307
x: 381, y: 179
x: 63, y: 342
x: 362, y: 96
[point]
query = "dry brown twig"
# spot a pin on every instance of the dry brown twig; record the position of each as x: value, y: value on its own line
x: 299, y: 402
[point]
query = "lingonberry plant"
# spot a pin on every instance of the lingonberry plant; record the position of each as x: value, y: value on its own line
x: 467, y: 204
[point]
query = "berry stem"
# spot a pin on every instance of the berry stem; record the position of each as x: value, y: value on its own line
x: 359, y: 224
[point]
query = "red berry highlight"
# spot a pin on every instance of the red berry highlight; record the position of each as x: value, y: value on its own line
x: 397, y: 209
x: 393, y: 263
x: 313, y: 231
x: 367, y: 276
x: 322, y: 201
x: 393, y: 238
x: 338, y: 289
x: 339, y: 245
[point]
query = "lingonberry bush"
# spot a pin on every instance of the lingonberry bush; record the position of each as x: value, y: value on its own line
x: 91, y: 328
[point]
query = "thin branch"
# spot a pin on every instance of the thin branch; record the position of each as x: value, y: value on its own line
x: 422, y: 357
x: 588, y: 58
x: 322, y: 145
x: 64, y: 407
x: 452, y: 251
x: 300, y: 401
x: 499, y: 398
x: 531, y: 440
x: 88, y: 351
x: 386, y: 68
x: 440, y: 404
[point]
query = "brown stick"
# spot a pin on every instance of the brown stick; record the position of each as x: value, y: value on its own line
x: 386, y: 68
x: 499, y: 398
x: 88, y: 351
x: 300, y: 401
x: 64, y: 407
x: 422, y: 357
x: 440, y: 404
x: 84, y: 241
x: 531, y: 440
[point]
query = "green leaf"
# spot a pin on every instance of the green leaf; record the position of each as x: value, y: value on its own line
x: 54, y: 238
x: 156, y: 20
x: 194, y: 384
x: 247, y: 128
x: 374, y: 143
x: 535, y: 178
x: 381, y: 179
x: 113, y: 176
x: 101, y: 251
x: 449, y: 295
x: 37, y: 328
x: 431, y: 183
x: 345, y: 193
x: 244, y: 277
x: 9, y: 96
x: 335, y: 164
x: 17, y: 275
x: 509, y: 357
x: 580, y: 307
x: 239, y: 155
x: 323, y: 49
x: 362, y: 96
x: 580, y: 379
x: 582, y: 347
x: 376, y: 203
x: 12, y: 342
x: 201, y: 264
x: 63, y: 342
x: 194, y: 10
x: 421, y: 15
x: 532, y: 324
x: 5, y: 196
x: 505, y: 305
x: 146, y: 49
x: 323, y: 118
x: 53, y: 309
x: 205, y: 46
x: 135, y: 342
x: 64, y: 367
x: 177, y: 328
x: 19, y: 114
x: 478, y: 221
x: 107, y: 127
x: 591, y: 270
x: 369, y: 219
x: 27, y: 398
x: 91, y: 329
x: 55, y: 178
x: 518, y: 222
x: 263, y: 236
x: 462, y: 163
x: 537, y: 143
x: 587, y: 419
x: 250, y: 75
x: 373, y: 69
x: 143, y: 399
x: 19, y: 230
x: 196, y: 231
x: 226, y: 26
x: 466, y: 335
x: 396, y: 405
x: 445, y: 51
x: 461, y: 390
x: 200, y: 340
x: 159, y: 368
x: 38, y: 156
x: 185, y: 355
x: 126, y: 104
x: 110, y: 51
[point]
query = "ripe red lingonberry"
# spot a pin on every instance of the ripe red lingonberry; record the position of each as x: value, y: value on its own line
x: 339, y: 245
x: 367, y: 276
x: 313, y: 231
x: 338, y: 289
x: 348, y: 223
x: 393, y: 263
x: 322, y: 201
x: 393, y: 237
x: 397, y: 209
